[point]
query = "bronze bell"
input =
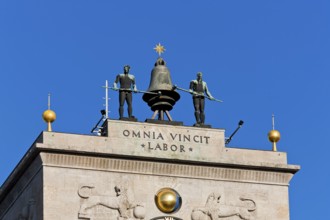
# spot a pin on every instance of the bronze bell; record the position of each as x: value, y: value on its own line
x: 161, y: 97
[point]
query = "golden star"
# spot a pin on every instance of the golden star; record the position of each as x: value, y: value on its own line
x: 159, y: 49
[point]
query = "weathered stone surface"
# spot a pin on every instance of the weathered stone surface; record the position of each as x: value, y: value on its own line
x: 162, y: 141
x: 62, y: 193
x: 70, y: 176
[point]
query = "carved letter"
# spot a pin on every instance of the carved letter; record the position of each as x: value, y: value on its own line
x: 186, y: 138
x: 149, y: 146
x: 146, y: 134
x: 173, y: 136
x: 207, y: 139
x: 137, y: 134
x: 158, y: 147
x: 126, y: 133
x: 182, y: 148
x: 164, y: 147
x: 196, y: 136
x: 160, y: 136
x: 174, y: 147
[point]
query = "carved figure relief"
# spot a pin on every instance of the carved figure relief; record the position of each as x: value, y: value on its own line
x: 126, y: 209
x: 28, y: 211
x: 213, y: 210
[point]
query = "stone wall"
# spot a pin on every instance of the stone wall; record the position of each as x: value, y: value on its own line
x: 193, y: 174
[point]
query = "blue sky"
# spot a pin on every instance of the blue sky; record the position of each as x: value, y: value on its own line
x: 260, y: 57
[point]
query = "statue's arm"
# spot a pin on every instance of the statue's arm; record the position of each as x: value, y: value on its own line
x: 191, y: 87
x: 116, y: 81
x: 207, y: 91
x: 133, y: 83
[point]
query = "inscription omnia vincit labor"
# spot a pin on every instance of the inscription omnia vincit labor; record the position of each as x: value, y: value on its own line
x: 166, y: 141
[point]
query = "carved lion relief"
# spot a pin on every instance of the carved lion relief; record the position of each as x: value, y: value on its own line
x: 213, y: 210
x: 125, y: 208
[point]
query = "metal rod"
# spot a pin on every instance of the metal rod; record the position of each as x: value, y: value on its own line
x: 136, y: 91
x: 168, y: 115
x: 49, y: 126
x: 152, y: 93
x: 196, y: 94
x: 154, y: 115
x: 48, y: 101
x: 106, y: 99
x: 161, y: 114
x: 274, y: 146
x: 97, y: 124
x: 240, y: 123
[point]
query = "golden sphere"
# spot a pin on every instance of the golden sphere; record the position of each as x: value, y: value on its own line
x: 274, y: 136
x: 49, y: 116
x: 168, y: 200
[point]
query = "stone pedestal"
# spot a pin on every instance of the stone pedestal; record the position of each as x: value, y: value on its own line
x: 70, y: 176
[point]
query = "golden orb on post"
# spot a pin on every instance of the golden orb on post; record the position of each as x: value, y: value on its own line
x: 49, y: 117
x: 274, y: 136
x: 168, y: 200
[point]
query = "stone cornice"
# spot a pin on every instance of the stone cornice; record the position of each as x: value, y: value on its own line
x: 162, y: 168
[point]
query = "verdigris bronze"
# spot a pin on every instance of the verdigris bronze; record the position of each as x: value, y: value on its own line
x: 127, y: 85
x: 198, y: 88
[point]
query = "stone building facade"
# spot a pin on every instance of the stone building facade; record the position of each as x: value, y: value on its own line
x: 146, y: 171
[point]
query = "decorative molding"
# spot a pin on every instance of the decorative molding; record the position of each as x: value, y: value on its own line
x: 166, y: 169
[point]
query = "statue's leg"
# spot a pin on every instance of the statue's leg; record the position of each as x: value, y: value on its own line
x: 197, y: 112
x: 129, y: 104
x: 198, y: 120
x: 202, y: 104
x: 121, y: 104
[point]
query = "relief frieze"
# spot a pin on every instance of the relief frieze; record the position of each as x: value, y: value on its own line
x: 214, y: 209
x: 124, y: 206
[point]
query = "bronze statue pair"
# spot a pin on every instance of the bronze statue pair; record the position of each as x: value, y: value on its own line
x: 197, y: 88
